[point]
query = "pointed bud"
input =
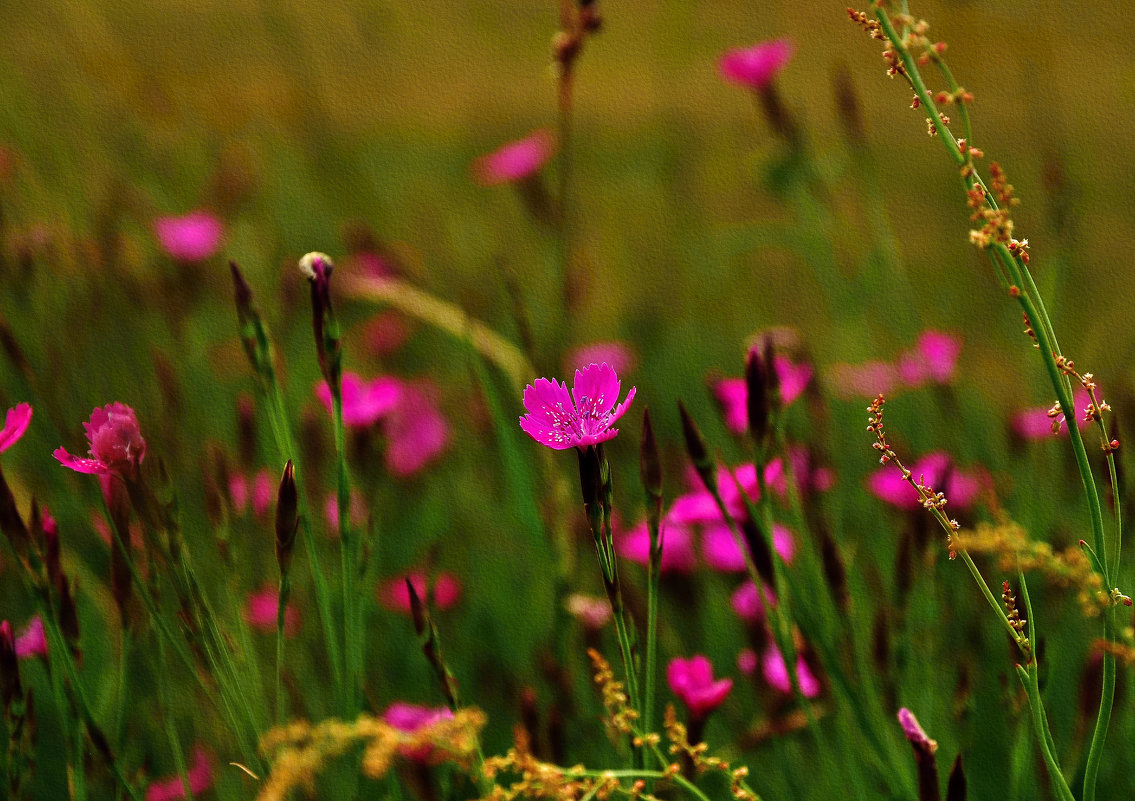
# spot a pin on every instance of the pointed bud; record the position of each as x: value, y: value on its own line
x: 287, y: 517
x: 850, y: 109
x: 48, y: 536
x: 956, y: 786
x: 760, y: 552
x: 247, y: 318
x: 758, y: 374
x: 697, y: 449
x: 924, y: 749
x: 417, y: 609
x: 9, y: 666
x: 246, y: 429
x: 650, y: 468
x: 317, y: 267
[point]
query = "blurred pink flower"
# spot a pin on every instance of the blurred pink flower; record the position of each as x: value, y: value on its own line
x: 961, y: 487
x: 32, y: 641
x: 410, y: 718
x: 864, y: 380
x: 15, y: 424
x: 356, y: 511
x: 1035, y: 423
x: 260, y: 612
x: 747, y: 603
x: 445, y: 592
x: 617, y: 355
x: 756, y: 66
x: 733, y: 393
x: 747, y: 661
x: 191, y: 237
x: 808, y: 478
x: 200, y: 775
x: 416, y: 431
x: 561, y: 420
x: 590, y: 610
x: 677, y: 547
x: 933, y: 358
x: 238, y: 492
x: 721, y: 552
x: 264, y: 489
x: 516, y: 160
x: 775, y: 672
x: 692, y: 681
x: 385, y: 332
x: 364, y: 402
x: 116, y: 444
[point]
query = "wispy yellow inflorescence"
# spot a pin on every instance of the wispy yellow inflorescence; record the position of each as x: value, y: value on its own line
x: 299, y: 750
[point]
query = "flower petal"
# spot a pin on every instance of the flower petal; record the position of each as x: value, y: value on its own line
x: 15, y: 424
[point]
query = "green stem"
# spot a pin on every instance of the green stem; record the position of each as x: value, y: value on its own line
x: 1030, y: 681
x: 281, y: 609
x: 347, y: 546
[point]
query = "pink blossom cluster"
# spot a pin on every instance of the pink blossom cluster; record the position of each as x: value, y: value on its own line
x: 932, y: 360
x: 417, y: 433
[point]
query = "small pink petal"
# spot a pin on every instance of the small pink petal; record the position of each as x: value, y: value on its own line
x: 239, y: 492
x: 747, y: 662
x: 15, y: 424
x: 200, y: 776
x: 691, y: 680
x: 192, y: 237
x: 756, y: 66
x: 78, y: 464
x: 417, y: 433
x: 939, y: 352
x: 32, y: 641
x: 364, y: 402
x: 794, y: 378
x: 516, y: 160
x: 617, y: 355
x: 677, y: 547
x: 264, y: 490
x: 775, y: 672
x: 747, y: 602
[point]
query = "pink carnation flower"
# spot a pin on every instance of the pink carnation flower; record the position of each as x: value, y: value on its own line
x: 192, y: 237
x: 961, y: 487
x: 775, y: 672
x: 15, y: 424
x: 692, y: 681
x: 561, y: 420
x: 32, y: 641
x: 260, y: 612
x: 364, y: 402
x: 677, y: 547
x: 200, y: 775
x: 416, y: 431
x: 516, y: 160
x: 756, y: 66
x: 444, y: 593
x: 116, y: 444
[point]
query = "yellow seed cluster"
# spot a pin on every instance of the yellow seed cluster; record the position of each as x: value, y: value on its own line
x: 620, y: 717
x: 697, y: 754
x: 299, y: 751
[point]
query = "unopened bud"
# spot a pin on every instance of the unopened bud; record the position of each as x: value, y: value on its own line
x: 287, y: 517
x: 650, y: 469
x: 697, y: 450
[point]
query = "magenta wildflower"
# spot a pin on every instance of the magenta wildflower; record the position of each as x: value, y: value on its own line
x: 15, y: 424
x: 32, y: 641
x: 444, y: 593
x: 618, y: 355
x: 677, y: 547
x: 516, y: 160
x: 747, y: 661
x: 116, y: 443
x: 261, y: 608
x: 364, y: 402
x: 961, y: 487
x: 934, y: 358
x: 200, y: 775
x: 416, y: 431
x: 584, y: 417
x: 756, y: 66
x: 692, y: 681
x: 192, y: 237
x: 775, y: 671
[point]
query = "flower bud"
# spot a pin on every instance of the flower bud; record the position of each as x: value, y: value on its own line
x: 287, y: 517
